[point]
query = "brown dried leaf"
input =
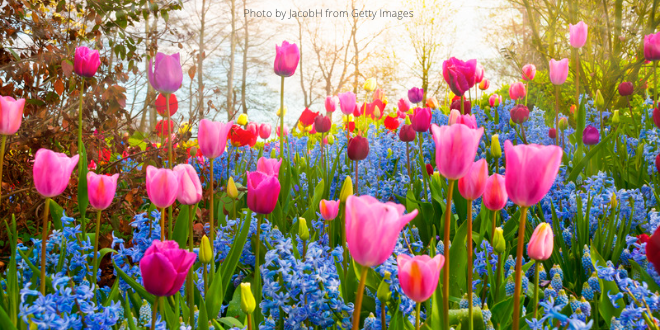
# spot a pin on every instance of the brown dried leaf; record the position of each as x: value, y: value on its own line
x: 67, y: 68
x: 192, y: 71
x: 59, y: 87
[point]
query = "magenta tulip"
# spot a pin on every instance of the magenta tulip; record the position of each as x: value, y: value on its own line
x: 264, y: 131
x: 331, y: 103
x: 52, y: 171
x: 162, y: 186
x: 656, y: 117
x: 418, y: 276
x: 459, y: 75
x: 373, y: 227
x: 328, y: 209
x: 531, y: 170
x: 473, y: 184
x: 528, y: 72
x: 415, y: 95
x: 347, y: 102
x: 322, y: 123
x: 287, y: 57
x: 403, y: 105
x: 263, y: 191
x: 578, y: 34
x: 11, y: 114
x: 590, y: 135
x: 212, y: 137
x: 519, y: 114
x: 456, y: 105
x: 101, y: 189
x: 86, y: 62
x: 495, y: 196
x: 652, y: 47
x: 190, y: 188
x: 406, y: 133
x: 164, y: 267
x: 358, y: 148
x: 421, y: 119
x: 517, y: 91
x: 269, y: 166
x: 166, y: 75
x: 558, y: 71
x: 455, y: 149
x: 541, y: 243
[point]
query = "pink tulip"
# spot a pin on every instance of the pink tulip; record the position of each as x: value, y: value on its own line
x: 331, y: 103
x: 328, y: 209
x: 347, y: 102
x: 286, y: 130
x: 529, y: 72
x: 418, y: 276
x: 455, y: 149
x: 264, y: 131
x: 166, y: 75
x: 478, y: 74
x: 52, y: 171
x: 403, y: 105
x: 578, y: 34
x: 164, y: 267
x: 558, y: 71
x: 269, y: 166
x: 86, y: 62
x: 263, y: 191
x: 212, y: 137
x: 11, y: 114
x: 530, y: 171
x: 421, y: 119
x: 455, y: 117
x: 287, y: 57
x: 101, y: 189
x: 473, y: 184
x: 652, y: 47
x: 495, y: 196
x: 541, y: 243
x: 190, y: 188
x: 162, y: 186
x: 378, y: 95
x: 494, y: 100
x: 373, y: 227
x: 517, y: 91
x: 459, y: 75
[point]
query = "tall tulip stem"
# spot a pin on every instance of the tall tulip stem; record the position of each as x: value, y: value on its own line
x: 577, y: 76
x: 357, y: 179
x: 358, y: 298
x: 162, y: 224
x: 462, y: 104
x: 170, y: 162
x: 212, y: 217
x: 95, y: 263
x: 422, y: 166
x: 655, y: 83
x: 469, y: 263
x: 191, y: 287
x: 408, y: 163
x: 2, y: 160
x: 83, y: 225
x: 493, y: 226
x: 445, y: 271
x: 536, y: 289
x: 556, y: 113
x: 282, y: 119
x: 44, y: 238
x: 419, y: 307
x: 498, y: 277
x: 519, y: 252
x: 154, y: 310
x: 256, y: 287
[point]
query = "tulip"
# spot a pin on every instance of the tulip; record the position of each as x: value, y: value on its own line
x: 558, y: 71
x: 264, y: 131
x: 212, y: 137
x: 384, y: 294
x: 369, y: 85
x: 161, y: 105
x: 652, y: 47
x: 472, y: 185
x: 263, y: 191
x: 347, y: 102
x: 653, y: 248
x: 52, y: 171
x: 307, y: 117
x: 578, y: 34
x: 404, y: 105
x: 287, y: 57
x: 358, y: 148
x: 346, y: 189
x: 242, y: 119
x: 391, y: 123
x: 331, y: 103
x: 419, y: 275
x: 456, y: 105
x: 286, y: 131
x: 478, y: 74
x: 269, y: 166
x: 162, y: 128
x: 519, y: 114
x: 164, y: 267
x: 499, y: 244
x: 303, y: 230
x: 590, y: 135
x: 248, y: 303
x: 656, y: 117
x: 328, y: 209
x: 459, y: 75
x: 205, y: 251
x: 456, y: 147
x: 517, y: 91
x: 599, y: 101
x: 378, y: 95
x: 626, y: 88
x: 432, y: 102
x: 429, y: 169
x: 322, y: 124
x: 563, y: 123
x: 421, y: 119
x: 415, y: 95
x: 494, y: 100
x: 281, y: 113
x: 11, y: 114
x: 467, y: 120
x: 541, y: 243
x: 101, y: 189
x: 484, y: 84
x: 243, y: 137
x: 162, y: 186
x: 406, y: 133
x: 529, y: 72
x: 190, y: 188
x: 494, y: 195
x: 552, y: 133
x: 615, y: 117
x: 86, y: 62
x: 166, y: 75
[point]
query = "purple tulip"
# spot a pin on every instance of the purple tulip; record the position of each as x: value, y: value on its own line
x: 358, y: 148
x: 415, y: 95
x: 287, y: 57
x: 406, y: 133
x: 86, y: 62
x: 590, y: 135
x: 322, y: 123
x: 421, y: 119
x: 263, y: 191
x: 164, y: 267
x: 652, y: 47
x: 459, y: 75
x: 347, y: 102
x: 166, y: 75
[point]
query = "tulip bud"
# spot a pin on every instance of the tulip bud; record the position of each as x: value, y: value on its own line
x: 346, y: 189
x: 615, y: 117
x: 408, y: 122
x: 232, y: 192
x: 331, y: 139
x: 552, y: 133
x: 205, y: 251
x: 279, y: 112
x: 248, y: 303
x: 389, y: 152
x: 273, y: 154
x: 499, y: 244
x: 384, y: 293
x: 614, y: 202
x: 377, y: 112
x: 495, y: 147
x: 242, y: 120
x: 370, y: 85
x: 599, y: 99
x: 303, y: 231
x: 563, y: 123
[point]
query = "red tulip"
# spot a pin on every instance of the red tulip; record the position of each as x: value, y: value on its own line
x: 519, y: 114
x: 358, y: 148
x: 264, y: 131
x: 643, y: 238
x: 307, y: 117
x: 403, y: 105
x: 626, y: 88
x: 429, y: 169
x: 657, y: 162
x: 473, y: 184
x: 161, y: 104
x: 241, y: 137
x: 331, y: 103
x: 517, y: 91
x: 391, y: 123
x: 552, y: 133
x: 162, y: 128
x: 407, y: 133
x: 495, y: 196
x: 484, y: 84
x: 456, y: 105
x: 528, y: 72
x: 322, y: 124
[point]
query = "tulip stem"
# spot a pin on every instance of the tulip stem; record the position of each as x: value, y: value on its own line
x: 419, y: 307
x: 83, y: 225
x: 358, y: 298
x: 462, y: 104
x: 421, y: 163
x: 536, y: 289
x: 469, y: 263
x: 383, y: 316
x: 282, y: 119
x: 357, y: 191
x: 655, y: 83
x: 408, y: 163
x: 445, y: 271
x: 498, y: 277
x: 191, y: 287
x: 205, y: 278
x: 2, y: 160
x: 632, y: 116
x: 95, y: 263
x: 493, y: 226
x: 249, y: 322
x: 169, y: 131
x: 518, y: 287
x: 154, y: 310
x: 557, y: 113
x: 162, y: 224
x: 577, y: 77
x: 44, y: 238
x: 257, y: 267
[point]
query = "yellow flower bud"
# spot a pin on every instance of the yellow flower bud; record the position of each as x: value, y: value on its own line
x: 377, y: 112
x: 232, y: 192
x: 495, y: 147
x: 205, y: 251
x: 370, y: 85
x: 346, y: 189
x: 614, y: 202
x: 279, y: 113
x: 599, y: 101
x: 331, y: 139
x: 273, y: 154
x: 248, y: 303
x: 384, y: 294
x: 389, y: 152
x: 408, y: 122
x: 242, y: 119
x: 615, y: 117
x: 303, y: 231
x: 498, y: 241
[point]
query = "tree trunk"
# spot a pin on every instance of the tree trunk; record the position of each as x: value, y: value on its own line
x: 200, y: 64
x: 230, y: 74
x: 245, y: 52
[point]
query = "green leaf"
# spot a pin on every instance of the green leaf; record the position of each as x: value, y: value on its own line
x: 594, y: 150
x: 12, y: 273
x: 127, y: 313
x: 56, y: 213
x: 171, y: 318
x: 202, y: 319
x: 316, y: 199
x: 215, y: 294
x: 5, y: 321
x: 139, y: 289
x: 457, y: 267
x: 229, y: 264
x: 459, y: 317
x: 181, y: 226
x: 231, y: 322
